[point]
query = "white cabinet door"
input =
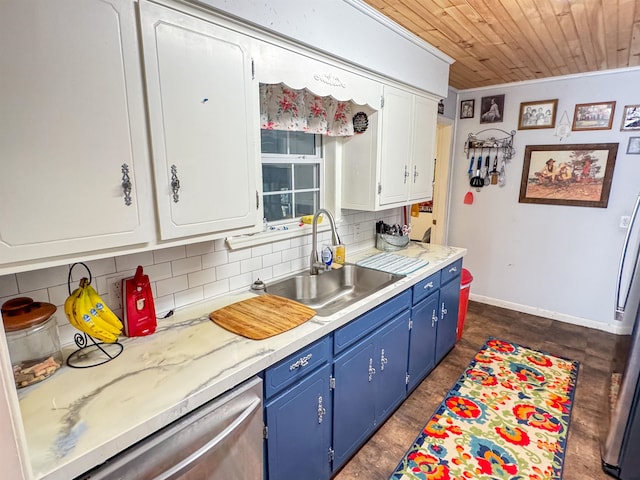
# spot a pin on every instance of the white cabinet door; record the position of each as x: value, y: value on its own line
x: 425, y: 118
x: 396, y: 147
x: 204, y: 116
x: 72, y: 115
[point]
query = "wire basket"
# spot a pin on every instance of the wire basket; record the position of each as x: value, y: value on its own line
x: 391, y: 243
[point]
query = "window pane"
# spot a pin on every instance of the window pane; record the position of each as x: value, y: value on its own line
x: 276, y: 177
x: 274, y: 141
x: 307, y: 203
x: 301, y: 143
x: 277, y: 207
x: 306, y: 176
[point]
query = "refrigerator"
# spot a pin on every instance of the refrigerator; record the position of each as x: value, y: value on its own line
x: 620, y: 439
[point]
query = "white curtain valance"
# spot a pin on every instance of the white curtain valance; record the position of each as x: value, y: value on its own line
x: 284, y: 108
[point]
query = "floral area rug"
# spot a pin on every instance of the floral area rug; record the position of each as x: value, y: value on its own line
x: 507, y: 417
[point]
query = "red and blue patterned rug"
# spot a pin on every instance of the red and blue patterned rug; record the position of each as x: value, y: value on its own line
x: 507, y: 417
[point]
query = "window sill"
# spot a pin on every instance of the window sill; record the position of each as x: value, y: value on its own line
x: 260, y: 238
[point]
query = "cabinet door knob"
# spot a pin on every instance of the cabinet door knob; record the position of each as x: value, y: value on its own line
x: 126, y: 184
x: 175, y: 183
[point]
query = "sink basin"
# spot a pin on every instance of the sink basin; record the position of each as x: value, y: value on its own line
x: 331, y: 291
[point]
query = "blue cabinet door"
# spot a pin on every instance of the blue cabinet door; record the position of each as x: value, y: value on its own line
x: 422, y: 343
x: 392, y: 350
x: 448, y: 319
x: 299, y: 429
x: 353, y: 403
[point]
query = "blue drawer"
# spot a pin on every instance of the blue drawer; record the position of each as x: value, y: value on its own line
x: 425, y: 287
x: 297, y: 365
x: 451, y: 271
x: 368, y: 322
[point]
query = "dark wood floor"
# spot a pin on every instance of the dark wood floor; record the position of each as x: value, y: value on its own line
x: 594, y: 350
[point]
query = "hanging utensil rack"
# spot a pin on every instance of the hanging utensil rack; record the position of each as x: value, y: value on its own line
x: 499, y: 143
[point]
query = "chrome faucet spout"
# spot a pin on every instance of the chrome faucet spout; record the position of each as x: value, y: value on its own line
x: 314, y: 263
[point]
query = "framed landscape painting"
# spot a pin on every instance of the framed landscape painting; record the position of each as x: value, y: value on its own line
x: 631, y: 118
x: 593, y: 116
x: 578, y: 175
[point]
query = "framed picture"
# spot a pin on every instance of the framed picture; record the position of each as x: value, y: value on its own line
x: 633, y: 148
x: 467, y: 108
x: 578, y: 175
x: 631, y: 117
x: 492, y: 109
x: 541, y: 114
x: 593, y: 116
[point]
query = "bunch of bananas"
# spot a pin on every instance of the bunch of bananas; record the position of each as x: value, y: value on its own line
x: 88, y: 313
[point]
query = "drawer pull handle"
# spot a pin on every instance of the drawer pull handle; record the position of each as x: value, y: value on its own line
x: 428, y: 285
x: 453, y: 269
x: 321, y: 410
x: 126, y: 184
x: 301, y: 362
x: 372, y: 371
x: 383, y: 361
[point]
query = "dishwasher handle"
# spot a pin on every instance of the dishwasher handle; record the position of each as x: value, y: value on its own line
x: 177, y: 470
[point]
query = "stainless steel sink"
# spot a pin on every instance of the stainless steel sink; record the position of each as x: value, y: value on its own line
x: 331, y: 291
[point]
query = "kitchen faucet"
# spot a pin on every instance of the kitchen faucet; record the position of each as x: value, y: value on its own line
x: 315, y: 264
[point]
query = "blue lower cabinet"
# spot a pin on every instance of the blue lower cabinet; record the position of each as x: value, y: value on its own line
x: 422, y: 342
x: 448, y: 317
x: 299, y: 429
x: 369, y: 385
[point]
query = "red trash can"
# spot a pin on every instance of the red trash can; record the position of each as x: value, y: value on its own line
x: 465, y: 286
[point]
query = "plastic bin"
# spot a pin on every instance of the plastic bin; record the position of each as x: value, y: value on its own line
x: 465, y: 285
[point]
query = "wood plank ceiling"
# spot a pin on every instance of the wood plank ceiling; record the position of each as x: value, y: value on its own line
x: 502, y: 41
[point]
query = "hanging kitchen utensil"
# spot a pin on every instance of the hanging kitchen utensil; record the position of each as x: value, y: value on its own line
x: 502, y: 177
x: 468, y: 198
x: 477, y: 180
x: 494, y: 171
x: 486, y: 169
x: 473, y: 158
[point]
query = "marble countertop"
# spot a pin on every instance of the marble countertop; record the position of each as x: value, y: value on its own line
x: 78, y: 418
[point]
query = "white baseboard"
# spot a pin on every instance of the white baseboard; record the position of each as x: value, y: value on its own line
x: 562, y: 317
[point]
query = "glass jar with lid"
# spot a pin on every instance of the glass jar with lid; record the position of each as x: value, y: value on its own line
x: 32, y: 337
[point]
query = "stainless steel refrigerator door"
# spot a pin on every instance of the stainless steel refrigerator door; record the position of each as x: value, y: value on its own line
x: 627, y: 297
x: 220, y: 440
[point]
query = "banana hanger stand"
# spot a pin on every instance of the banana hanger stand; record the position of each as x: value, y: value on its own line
x: 90, y: 352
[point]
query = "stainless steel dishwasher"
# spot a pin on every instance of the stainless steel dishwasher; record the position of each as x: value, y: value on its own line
x: 220, y: 440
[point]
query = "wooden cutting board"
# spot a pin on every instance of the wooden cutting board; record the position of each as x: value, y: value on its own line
x: 262, y: 317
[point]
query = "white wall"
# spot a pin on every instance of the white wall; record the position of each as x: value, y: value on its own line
x: 557, y: 261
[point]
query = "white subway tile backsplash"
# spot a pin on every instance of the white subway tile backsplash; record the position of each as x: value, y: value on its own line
x: 214, y: 259
x: 169, y: 254
x: 250, y: 264
x: 171, y: 285
x: 202, y: 277
x: 187, y: 274
x: 228, y: 270
x: 8, y: 285
x: 128, y: 262
x: 39, y: 279
x: 189, y: 296
x: 200, y: 248
x: 186, y: 265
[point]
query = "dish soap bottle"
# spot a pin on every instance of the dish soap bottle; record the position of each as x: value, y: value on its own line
x: 327, y: 257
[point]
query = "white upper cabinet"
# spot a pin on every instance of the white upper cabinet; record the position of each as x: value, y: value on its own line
x: 204, y: 117
x: 74, y: 171
x: 391, y: 163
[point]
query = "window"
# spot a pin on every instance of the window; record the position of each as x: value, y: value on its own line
x: 291, y: 170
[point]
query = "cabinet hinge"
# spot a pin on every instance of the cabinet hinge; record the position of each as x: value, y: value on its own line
x: 257, y: 200
x: 331, y: 454
x: 332, y: 383
x: 265, y: 432
x: 406, y: 379
x: 410, y: 324
x: 381, y: 101
x: 379, y: 188
x: 253, y: 69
